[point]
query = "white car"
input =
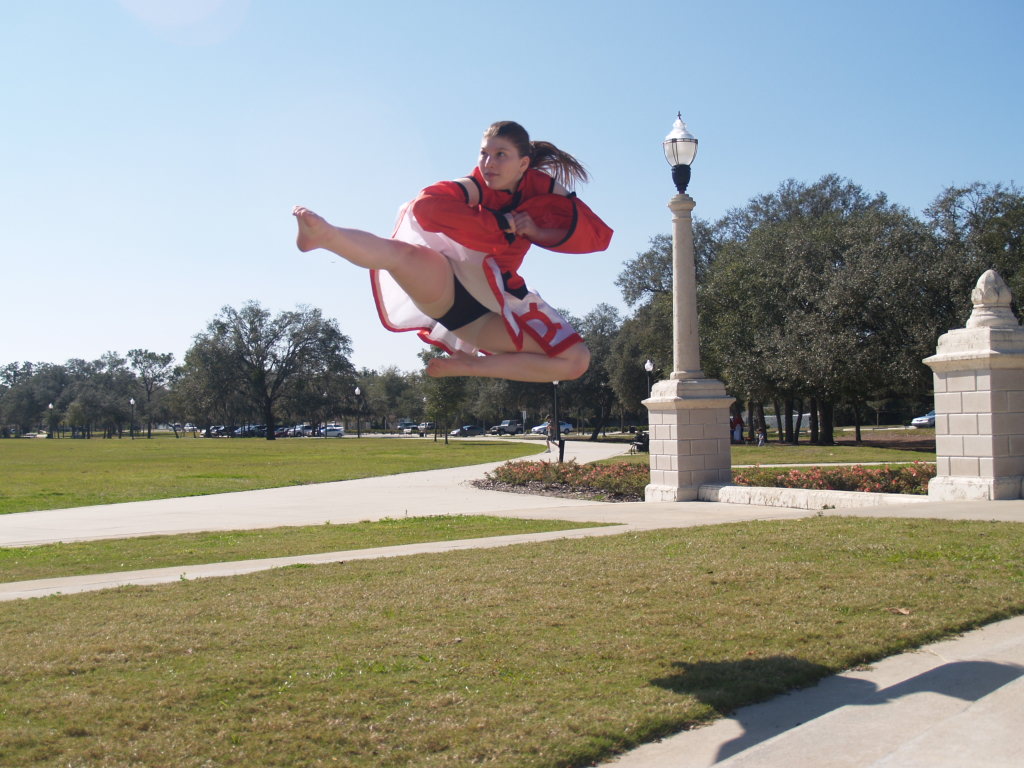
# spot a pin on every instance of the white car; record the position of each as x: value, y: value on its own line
x: 334, y: 430
x: 928, y: 420
x: 541, y: 429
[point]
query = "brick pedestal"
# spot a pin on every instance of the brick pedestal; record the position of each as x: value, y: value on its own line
x: 979, y: 401
x: 689, y: 438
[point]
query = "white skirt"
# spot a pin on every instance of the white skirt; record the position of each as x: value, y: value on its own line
x: 480, y: 275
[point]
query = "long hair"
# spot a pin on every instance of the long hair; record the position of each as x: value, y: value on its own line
x: 543, y: 155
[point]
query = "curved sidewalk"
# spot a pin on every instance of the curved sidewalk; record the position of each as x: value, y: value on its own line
x: 412, y: 494
x: 433, y: 492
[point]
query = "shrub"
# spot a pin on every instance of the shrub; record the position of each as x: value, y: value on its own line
x: 626, y: 481
x: 619, y: 480
x: 903, y: 478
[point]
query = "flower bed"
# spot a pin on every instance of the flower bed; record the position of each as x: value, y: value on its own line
x: 903, y: 478
x: 606, y: 482
x: 625, y: 481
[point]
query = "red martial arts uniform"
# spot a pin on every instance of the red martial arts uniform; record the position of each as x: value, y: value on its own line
x: 486, y: 260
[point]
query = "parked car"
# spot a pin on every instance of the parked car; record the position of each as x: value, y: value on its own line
x: 563, y: 426
x: 425, y: 427
x: 467, y: 430
x: 334, y: 430
x: 928, y: 420
x: 406, y: 427
x: 507, y: 427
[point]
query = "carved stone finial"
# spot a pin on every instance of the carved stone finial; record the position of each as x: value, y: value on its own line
x: 991, y: 298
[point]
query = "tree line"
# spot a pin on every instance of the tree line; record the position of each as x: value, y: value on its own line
x: 814, y: 298
x: 251, y: 367
x: 821, y: 298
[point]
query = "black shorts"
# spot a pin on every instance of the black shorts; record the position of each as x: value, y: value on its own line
x: 465, y: 309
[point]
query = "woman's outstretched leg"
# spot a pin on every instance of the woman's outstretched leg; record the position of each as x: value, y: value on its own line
x: 422, y: 272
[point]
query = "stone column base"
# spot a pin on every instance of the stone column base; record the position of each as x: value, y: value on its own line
x: 689, y: 438
x: 656, y: 493
x: 952, y: 488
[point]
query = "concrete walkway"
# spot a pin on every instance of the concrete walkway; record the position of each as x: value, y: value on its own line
x: 956, y: 703
x: 414, y: 494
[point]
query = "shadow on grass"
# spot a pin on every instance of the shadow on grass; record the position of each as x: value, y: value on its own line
x: 728, y: 685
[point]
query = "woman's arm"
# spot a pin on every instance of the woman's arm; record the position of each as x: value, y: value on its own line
x: 447, y: 207
x: 565, y: 224
x: 523, y: 225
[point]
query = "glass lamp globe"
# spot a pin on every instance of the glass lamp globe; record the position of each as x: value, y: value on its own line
x: 680, y: 145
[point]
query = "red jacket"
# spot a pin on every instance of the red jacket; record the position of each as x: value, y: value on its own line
x: 444, y: 207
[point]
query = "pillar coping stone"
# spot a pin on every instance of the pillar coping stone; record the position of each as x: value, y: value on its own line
x: 993, y: 337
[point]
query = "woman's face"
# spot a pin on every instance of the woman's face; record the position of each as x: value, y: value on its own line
x: 501, y: 164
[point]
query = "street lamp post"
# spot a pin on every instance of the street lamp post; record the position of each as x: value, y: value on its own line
x: 558, y: 424
x: 649, y: 367
x: 688, y: 414
x: 49, y: 425
x: 131, y: 425
x: 680, y: 148
x: 359, y: 412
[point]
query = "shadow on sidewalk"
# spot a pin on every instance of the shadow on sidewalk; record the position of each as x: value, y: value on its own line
x: 728, y: 685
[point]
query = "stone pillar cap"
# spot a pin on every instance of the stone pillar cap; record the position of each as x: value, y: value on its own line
x: 991, y: 298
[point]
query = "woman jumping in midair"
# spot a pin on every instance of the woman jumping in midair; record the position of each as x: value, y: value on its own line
x: 450, y: 270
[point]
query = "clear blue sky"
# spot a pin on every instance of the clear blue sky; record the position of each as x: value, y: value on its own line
x: 151, y: 151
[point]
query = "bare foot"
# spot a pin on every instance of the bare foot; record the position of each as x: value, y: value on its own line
x: 312, y: 229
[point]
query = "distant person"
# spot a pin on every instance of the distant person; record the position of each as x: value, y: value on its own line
x: 736, y: 425
x: 551, y: 434
x: 762, y: 437
x: 451, y: 269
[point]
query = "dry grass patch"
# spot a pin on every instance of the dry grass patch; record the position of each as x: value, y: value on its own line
x: 109, y: 556
x: 552, y: 654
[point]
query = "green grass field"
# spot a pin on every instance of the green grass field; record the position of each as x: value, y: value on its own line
x: 112, y: 555
x: 55, y: 474
x: 791, y: 455
x: 540, y: 655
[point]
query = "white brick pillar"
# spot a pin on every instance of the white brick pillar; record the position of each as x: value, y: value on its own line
x: 979, y: 401
x: 689, y: 438
x: 688, y: 414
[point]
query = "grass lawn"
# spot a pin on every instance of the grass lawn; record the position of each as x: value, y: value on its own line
x: 55, y: 474
x: 789, y: 455
x: 824, y: 454
x: 110, y: 556
x: 538, y: 655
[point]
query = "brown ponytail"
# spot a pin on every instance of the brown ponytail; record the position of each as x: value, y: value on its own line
x: 543, y: 155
